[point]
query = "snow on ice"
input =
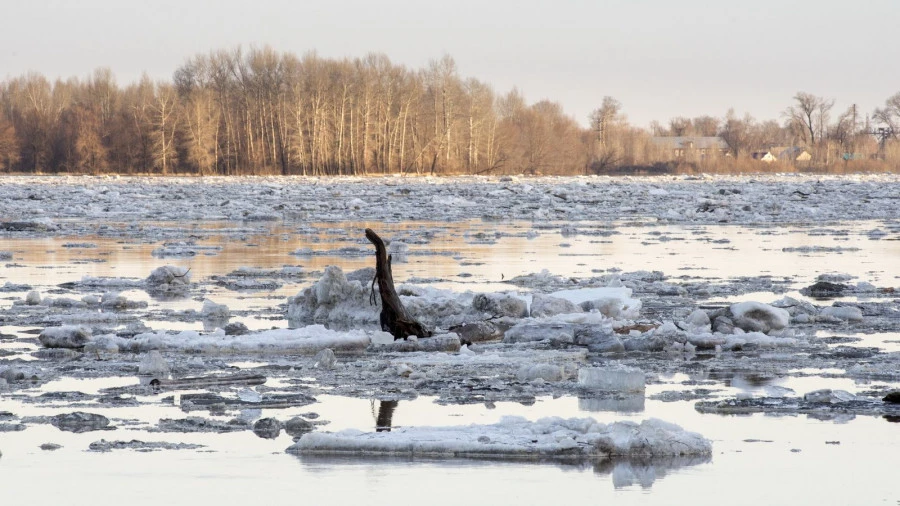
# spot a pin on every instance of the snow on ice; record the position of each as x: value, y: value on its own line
x: 514, y: 438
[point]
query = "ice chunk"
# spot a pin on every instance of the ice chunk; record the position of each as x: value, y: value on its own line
x: 213, y: 311
x: 169, y: 278
x: 67, y: 336
x: 500, y: 304
x: 79, y: 422
x: 616, y: 378
x: 547, y: 305
x: 846, y: 313
x: 513, y: 438
x: 829, y: 396
x: 33, y: 298
x: 698, y: 321
x: 306, y: 340
x: 614, y: 302
x: 324, y: 359
x: 153, y: 364
x: 759, y: 317
x: 546, y: 372
x: 539, y: 331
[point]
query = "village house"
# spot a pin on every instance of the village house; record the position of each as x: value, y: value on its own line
x: 791, y: 154
x: 691, y: 147
x: 763, y: 156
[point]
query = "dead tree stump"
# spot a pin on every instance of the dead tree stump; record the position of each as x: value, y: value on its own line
x: 394, y: 318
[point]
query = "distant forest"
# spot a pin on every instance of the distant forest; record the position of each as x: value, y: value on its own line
x: 259, y: 111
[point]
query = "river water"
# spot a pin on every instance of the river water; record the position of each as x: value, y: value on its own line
x: 757, y: 458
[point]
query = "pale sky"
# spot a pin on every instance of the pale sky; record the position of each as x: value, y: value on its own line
x: 659, y: 58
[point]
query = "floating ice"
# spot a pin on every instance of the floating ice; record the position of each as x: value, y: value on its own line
x: 169, y: 278
x: 759, y: 317
x: 66, y: 336
x: 614, y: 302
x: 153, y: 364
x: 845, y: 313
x: 514, y: 438
x: 214, y: 311
x: 615, y: 378
x: 305, y: 340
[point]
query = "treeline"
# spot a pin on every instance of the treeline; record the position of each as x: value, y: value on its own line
x: 265, y: 112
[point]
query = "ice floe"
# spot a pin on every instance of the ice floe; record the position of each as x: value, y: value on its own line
x: 514, y: 438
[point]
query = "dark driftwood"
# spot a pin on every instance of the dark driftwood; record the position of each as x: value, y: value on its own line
x: 394, y: 318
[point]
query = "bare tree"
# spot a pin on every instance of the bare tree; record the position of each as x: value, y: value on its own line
x: 809, y: 116
x: 736, y: 132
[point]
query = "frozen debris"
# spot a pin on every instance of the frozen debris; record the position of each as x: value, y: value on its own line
x: 79, y: 421
x: 118, y: 302
x: 236, y: 329
x: 821, y: 404
x: 829, y: 396
x: 33, y: 298
x: 441, y: 342
x: 298, y: 426
x: 698, y: 321
x: 267, y: 428
x: 324, y: 359
x: 551, y: 331
x: 305, y: 340
x: 823, y: 289
x: 547, y: 305
x: 740, y: 340
x: 613, y: 378
x: 153, y: 364
x: 66, y: 336
x: 759, y: 317
x: 611, y: 301
x: 103, y: 344
x: 213, y: 311
x: 477, y: 332
x: 598, y: 338
x: 249, y: 284
x: 168, y: 279
x: 198, y: 424
x: 141, y: 446
x: 500, y: 304
x: 12, y: 374
x: 513, y: 438
x: 749, y: 317
x: 107, y: 283
x: 842, y: 313
x: 39, y: 225
x: 335, y: 297
x: 210, y: 381
x: 545, y: 372
x: 183, y: 249
x: 287, y: 271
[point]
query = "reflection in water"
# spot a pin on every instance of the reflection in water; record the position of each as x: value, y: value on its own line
x: 619, y: 403
x: 385, y: 416
x: 644, y: 471
x: 624, y: 471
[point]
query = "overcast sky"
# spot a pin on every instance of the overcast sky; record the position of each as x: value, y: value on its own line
x: 659, y: 58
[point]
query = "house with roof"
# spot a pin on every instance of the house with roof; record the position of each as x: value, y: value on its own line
x: 691, y: 147
x: 763, y: 156
x: 792, y: 154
